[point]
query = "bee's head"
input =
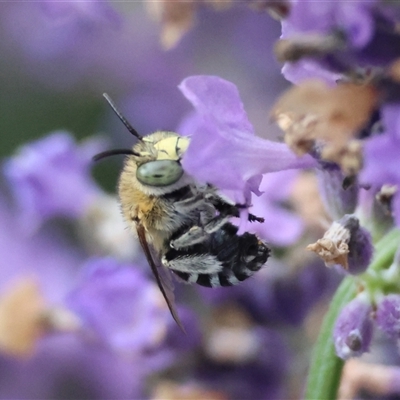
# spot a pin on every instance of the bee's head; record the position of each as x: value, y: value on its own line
x: 156, y: 157
x: 159, y: 161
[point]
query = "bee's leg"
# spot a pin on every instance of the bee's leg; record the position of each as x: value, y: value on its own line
x: 254, y: 218
x: 198, y: 234
x: 194, y: 235
x: 191, y: 264
x: 234, y: 210
x: 190, y: 204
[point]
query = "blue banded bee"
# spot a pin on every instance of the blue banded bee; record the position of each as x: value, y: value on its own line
x: 182, y: 226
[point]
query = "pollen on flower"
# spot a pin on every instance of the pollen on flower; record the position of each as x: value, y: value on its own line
x: 299, y: 130
x: 349, y: 156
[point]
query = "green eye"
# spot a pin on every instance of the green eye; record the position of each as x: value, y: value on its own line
x: 159, y: 173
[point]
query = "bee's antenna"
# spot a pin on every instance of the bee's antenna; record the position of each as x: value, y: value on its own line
x: 108, y: 153
x: 130, y: 128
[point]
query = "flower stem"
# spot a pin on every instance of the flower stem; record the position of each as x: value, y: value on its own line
x: 326, y: 367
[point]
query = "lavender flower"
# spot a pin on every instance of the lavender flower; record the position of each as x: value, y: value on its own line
x: 45, y: 255
x: 121, y: 306
x: 51, y: 177
x: 64, y: 366
x: 385, y: 146
x: 353, y: 330
x: 339, y: 36
x: 224, y: 141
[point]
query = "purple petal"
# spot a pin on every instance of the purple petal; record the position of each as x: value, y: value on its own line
x: 224, y: 150
x: 51, y: 177
x: 303, y: 70
x: 121, y: 306
x: 281, y: 227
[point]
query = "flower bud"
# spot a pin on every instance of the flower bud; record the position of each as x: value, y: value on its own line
x: 352, y: 334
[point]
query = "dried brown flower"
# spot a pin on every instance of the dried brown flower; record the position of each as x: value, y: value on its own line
x: 176, y: 18
x: 314, y: 112
x: 333, y: 247
x: 21, y: 308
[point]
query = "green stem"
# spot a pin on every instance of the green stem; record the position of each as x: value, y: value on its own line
x: 326, y: 368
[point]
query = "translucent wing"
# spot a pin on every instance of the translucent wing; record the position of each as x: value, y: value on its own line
x: 159, y: 272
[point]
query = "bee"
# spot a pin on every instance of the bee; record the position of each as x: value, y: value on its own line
x: 182, y: 225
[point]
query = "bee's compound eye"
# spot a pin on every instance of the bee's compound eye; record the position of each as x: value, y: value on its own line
x: 159, y: 173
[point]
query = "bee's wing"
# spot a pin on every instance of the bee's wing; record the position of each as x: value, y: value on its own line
x: 164, y: 281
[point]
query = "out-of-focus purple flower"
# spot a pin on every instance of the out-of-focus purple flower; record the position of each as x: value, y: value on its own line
x: 340, y: 36
x: 281, y: 227
x: 224, y: 150
x: 174, y: 338
x: 353, y: 18
x: 121, y: 306
x: 381, y: 156
x: 65, y: 367
x: 388, y: 315
x: 277, y: 295
x: 51, y: 177
x: 261, y: 377
x: 47, y: 31
x: 303, y: 70
x: 45, y: 256
x: 353, y: 329
x: 337, y: 200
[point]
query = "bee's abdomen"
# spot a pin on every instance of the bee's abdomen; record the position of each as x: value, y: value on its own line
x: 235, y: 258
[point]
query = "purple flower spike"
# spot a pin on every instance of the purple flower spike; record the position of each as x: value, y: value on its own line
x: 224, y: 150
x: 121, y: 306
x: 388, y: 315
x: 353, y: 330
x: 51, y: 177
x: 381, y: 156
